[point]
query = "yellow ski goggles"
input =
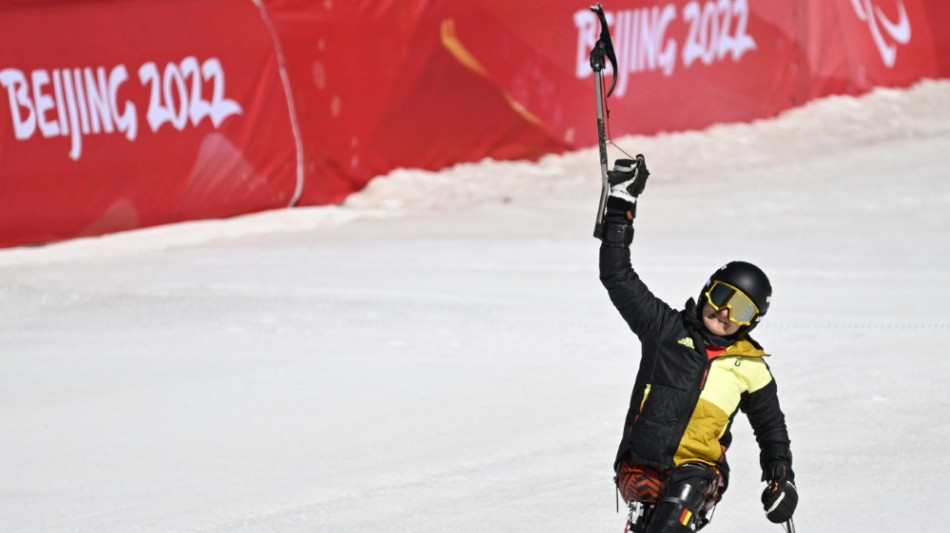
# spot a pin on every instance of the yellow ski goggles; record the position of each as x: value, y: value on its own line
x: 741, y: 308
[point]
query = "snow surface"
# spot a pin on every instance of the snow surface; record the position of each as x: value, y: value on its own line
x: 437, y: 355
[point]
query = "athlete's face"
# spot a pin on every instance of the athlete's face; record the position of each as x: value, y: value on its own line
x: 717, y: 322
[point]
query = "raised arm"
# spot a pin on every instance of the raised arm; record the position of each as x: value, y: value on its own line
x: 637, y: 305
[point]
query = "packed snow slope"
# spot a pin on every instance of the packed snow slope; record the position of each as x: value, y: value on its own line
x: 438, y: 354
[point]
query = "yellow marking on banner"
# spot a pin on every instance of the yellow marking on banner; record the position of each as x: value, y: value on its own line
x: 461, y: 54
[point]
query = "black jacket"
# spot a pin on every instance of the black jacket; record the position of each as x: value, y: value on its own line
x: 683, y: 403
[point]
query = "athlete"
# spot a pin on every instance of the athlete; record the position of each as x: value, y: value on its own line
x: 698, y: 367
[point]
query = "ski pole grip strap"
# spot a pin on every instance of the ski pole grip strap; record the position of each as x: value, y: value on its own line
x: 617, y: 234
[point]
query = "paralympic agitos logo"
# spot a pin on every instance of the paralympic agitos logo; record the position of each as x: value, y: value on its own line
x: 887, y: 34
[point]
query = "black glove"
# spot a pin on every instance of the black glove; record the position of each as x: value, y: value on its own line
x: 780, y: 497
x: 627, y: 180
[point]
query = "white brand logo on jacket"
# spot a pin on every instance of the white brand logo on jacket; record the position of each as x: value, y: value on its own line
x: 897, y: 32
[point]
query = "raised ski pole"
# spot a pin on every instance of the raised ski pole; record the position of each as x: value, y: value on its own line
x: 789, y: 526
x: 603, y: 50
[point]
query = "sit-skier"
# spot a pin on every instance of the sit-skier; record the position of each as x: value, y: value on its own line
x: 698, y: 366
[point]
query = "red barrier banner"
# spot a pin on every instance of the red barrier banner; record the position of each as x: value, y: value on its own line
x: 427, y: 84
x: 687, y: 64
x: 682, y: 64
x: 376, y: 88
x: 128, y: 113
x: 119, y: 115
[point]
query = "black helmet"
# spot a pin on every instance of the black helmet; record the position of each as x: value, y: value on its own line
x: 750, y: 280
